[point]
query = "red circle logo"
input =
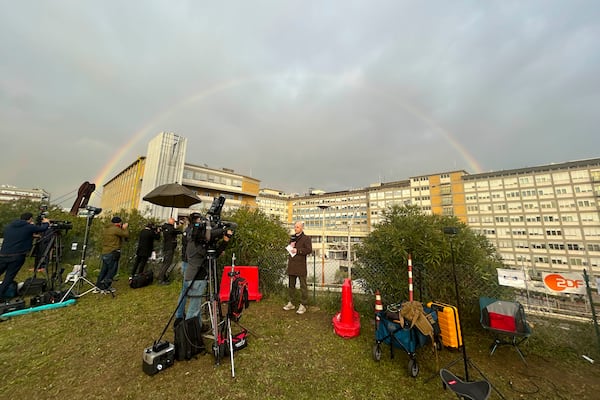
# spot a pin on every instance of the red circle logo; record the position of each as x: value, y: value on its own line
x: 555, y: 282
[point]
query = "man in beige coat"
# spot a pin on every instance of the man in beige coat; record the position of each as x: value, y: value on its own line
x: 299, y: 248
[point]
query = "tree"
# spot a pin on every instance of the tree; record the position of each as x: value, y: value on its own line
x: 73, y: 239
x: 383, y: 258
x: 12, y: 210
x: 259, y: 240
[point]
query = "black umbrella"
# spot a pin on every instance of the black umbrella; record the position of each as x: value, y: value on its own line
x: 172, y: 195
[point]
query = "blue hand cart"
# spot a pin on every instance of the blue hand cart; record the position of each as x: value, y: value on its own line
x: 397, y: 333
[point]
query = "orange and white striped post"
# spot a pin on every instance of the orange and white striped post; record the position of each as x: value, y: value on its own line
x: 410, y: 278
x: 378, y: 303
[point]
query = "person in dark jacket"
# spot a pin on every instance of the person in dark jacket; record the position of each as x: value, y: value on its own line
x: 300, y: 246
x: 144, y: 249
x: 187, y: 227
x: 18, y: 240
x: 196, y: 273
x: 170, y: 234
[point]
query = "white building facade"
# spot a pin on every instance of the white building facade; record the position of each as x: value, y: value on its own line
x: 542, y: 218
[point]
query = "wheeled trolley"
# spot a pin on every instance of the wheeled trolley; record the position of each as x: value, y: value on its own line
x: 399, y: 332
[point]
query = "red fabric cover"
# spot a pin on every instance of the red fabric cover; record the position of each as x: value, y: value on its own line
x: 250, y: 273
x: 502, y: 322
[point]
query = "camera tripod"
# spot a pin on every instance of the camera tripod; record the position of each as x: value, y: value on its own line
x: 49, y: 260
x: 221, y: 325
x: 80, y: 273
x: 47, y: 252
x: 213, y: 304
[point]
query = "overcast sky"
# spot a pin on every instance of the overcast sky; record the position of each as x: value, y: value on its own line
x: 332, y: 95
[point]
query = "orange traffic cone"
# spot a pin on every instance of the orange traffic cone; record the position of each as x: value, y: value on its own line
x: 346, y: 323
x: 378, y: 303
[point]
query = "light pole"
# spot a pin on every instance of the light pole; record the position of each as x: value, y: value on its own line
x: 323, y: 207
x: 452, y: 232
x: 349, y: 254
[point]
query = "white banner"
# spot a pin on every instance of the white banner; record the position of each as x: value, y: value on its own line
x: 564, y: 282
x: 511, y: 277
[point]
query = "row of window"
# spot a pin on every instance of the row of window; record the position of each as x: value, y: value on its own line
x: 535, y: 219
x: 508, y: 244
x: 213, y: 178
x: 590, y: 233
x: 554, y: 178
x: 558, y: 191
x: 547, y: 205
x: 549, y: 246
x: 542, y: 261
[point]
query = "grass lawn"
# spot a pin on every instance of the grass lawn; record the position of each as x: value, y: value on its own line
x: 93, y: 350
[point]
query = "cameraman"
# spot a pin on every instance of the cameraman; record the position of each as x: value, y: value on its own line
x: 196, y: 273
x: 18, y: 240
x: 112, y: 238
x: 170, y: 234
x: 145, y: 246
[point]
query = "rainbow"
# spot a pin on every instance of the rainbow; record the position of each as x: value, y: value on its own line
x: 113, y: 163
x: 111, y: 166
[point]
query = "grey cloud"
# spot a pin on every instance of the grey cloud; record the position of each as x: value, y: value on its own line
x: 298, y: 94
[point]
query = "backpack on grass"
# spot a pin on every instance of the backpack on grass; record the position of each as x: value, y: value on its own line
x: 142, y: 279
x: 238, y: 298
x: 188, y: 339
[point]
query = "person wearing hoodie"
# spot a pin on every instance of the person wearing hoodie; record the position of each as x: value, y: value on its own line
x: 18, y: 240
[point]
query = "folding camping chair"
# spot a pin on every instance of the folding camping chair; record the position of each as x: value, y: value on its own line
x: 479, y: 390
x: 506, y: 321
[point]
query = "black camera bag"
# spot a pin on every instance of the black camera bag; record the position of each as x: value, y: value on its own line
x: 10, y: 306
x: 188, y: 339
x: 142, y: 279
x: 33, y: 287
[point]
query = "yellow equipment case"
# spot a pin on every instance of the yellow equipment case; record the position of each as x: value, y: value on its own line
x: 449, y: 324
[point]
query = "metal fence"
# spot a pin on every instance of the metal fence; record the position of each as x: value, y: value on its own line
x: 326, y: 276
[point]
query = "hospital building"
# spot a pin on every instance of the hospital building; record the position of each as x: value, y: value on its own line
x: 544, y: 218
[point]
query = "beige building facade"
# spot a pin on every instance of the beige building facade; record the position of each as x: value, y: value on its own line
x: 542, y: 219
x: 122, y: 192
x: 10, y: 193
x: 165, y: 163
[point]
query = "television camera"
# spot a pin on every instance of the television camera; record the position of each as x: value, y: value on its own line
x: 93, y: 210
x: 54, y: 225
x: 212, y: 228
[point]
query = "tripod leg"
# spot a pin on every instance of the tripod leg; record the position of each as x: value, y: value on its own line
x: 78, y: 293
x: 230, y: 340
x: 447, y: 366
x: 214, y: 322
x: 215, y: 307
x: 246, y: 329
x: 56, y: 275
